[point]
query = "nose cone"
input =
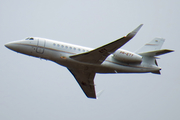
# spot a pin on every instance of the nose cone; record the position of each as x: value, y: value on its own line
x: 12, y: 46
x: 8, y: 45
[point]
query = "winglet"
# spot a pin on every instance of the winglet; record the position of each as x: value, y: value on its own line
x: 99, y: 93
x: 134, y: 32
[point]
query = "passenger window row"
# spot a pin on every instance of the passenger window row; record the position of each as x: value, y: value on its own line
x: 62, y: 46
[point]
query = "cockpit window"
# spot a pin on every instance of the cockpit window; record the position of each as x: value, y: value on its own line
x: 30, y: 38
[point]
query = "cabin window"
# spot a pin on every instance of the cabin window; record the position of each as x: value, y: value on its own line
x: 54, y: 44
x: 62, y: 46
x: 58, y: 45
x: 70, y: 47
x: 66, y: 46
x: 79, y: 49
x: 74, y: 48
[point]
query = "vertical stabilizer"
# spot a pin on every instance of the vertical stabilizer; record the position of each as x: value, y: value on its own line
x: 153, y: 45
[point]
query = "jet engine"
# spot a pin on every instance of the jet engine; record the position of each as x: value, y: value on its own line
x: 127, y: 57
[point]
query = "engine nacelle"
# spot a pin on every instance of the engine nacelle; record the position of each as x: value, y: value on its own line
x: 127, y: 57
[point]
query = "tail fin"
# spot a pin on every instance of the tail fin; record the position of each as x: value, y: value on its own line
x: 153, y: 45
x: 152, y: 49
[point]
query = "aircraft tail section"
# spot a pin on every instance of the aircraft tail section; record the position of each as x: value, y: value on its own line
x: 152, y: 49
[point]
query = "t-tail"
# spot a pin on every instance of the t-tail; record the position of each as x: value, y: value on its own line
x: 152, y: 49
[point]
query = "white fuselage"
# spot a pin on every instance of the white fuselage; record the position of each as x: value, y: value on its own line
x: 60, y: 53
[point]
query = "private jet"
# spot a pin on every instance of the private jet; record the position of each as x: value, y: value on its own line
x: 85, y: 62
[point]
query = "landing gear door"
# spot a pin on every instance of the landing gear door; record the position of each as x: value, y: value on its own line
x: 40, y: 46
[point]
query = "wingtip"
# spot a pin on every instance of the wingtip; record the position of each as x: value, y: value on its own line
x: 157, y: 72
x: 138, y: 28
x: 172, y: 50
x: 99, y: 94
x: 134, y: 32
x: 141, y: 24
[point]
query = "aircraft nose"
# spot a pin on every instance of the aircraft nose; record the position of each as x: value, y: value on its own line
x: 9, y: 45
x: 12, y: 46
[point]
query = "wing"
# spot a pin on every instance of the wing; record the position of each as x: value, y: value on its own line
x: 86, y: 80
x: 97, y: 56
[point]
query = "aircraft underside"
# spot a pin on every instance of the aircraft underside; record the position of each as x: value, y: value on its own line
x: 108, y: 67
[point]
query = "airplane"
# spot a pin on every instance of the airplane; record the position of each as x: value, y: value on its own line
x: 84, y: 62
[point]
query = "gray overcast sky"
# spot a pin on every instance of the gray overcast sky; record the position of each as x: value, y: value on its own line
x: 34, y: 89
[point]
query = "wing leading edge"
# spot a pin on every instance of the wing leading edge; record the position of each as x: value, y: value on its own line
x: 98, y: 55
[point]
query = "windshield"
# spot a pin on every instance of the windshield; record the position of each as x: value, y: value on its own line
x: 29, y: 38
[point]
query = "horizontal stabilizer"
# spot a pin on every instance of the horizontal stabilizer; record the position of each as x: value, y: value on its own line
x: 156, y: 52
